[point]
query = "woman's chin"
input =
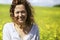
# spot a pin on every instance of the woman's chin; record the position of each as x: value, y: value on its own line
x: 21, y: 22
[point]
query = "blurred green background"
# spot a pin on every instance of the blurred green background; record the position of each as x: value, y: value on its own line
x: 47, y: 19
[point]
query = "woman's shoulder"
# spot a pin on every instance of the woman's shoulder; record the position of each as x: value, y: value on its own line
x: 35, y: 27
x: 8, y: 25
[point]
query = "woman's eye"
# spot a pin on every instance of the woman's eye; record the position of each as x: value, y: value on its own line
x: 22, y: 11
x: 17, y: 12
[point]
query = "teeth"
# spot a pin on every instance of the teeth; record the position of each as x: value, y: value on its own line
x: 20, y: 19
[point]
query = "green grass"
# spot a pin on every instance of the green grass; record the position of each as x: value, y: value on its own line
x: 47, y: 19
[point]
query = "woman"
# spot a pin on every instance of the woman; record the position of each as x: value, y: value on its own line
x: 22, y: 26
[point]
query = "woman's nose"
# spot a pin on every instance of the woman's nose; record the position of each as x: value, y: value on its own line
x: 20, y: 14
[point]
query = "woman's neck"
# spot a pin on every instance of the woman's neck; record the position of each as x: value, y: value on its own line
x: 20, y: 25
x: 26, y: 29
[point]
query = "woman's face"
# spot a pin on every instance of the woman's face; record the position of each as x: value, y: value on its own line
x: 20, y: 13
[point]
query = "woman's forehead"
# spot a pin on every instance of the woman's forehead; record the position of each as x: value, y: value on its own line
x: 20, y: 6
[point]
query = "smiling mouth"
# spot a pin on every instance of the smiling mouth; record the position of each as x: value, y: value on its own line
x: 22, y: 18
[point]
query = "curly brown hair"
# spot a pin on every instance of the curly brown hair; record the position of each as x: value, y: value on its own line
x: 28, y: 7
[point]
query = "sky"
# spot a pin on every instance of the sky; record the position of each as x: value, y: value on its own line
x: 36, y: 2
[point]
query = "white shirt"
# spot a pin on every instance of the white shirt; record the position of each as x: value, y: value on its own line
x: 10, y: 33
